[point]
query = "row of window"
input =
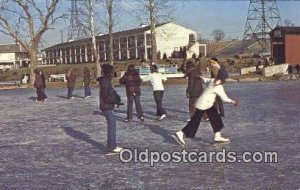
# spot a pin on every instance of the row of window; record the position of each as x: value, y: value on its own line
x: 133, y: 53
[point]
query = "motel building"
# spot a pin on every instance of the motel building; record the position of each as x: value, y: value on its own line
x: 171, y: 38
x: 13, y: 56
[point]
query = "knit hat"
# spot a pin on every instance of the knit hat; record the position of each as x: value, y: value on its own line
x: 153, y: 68
x: 189, y: 65
x: 108, y: 70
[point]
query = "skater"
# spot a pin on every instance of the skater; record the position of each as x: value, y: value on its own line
x: 108, y: 99
x: 71, y: 79
x: 132, y: 80
x: 297, y: 68
x: 290, y: 69
x: 205, y: 104
x: 194, y: 89
x: 40, y: 85
x: 156, y: 80
x: 86, y: 82
x: 214, y: 67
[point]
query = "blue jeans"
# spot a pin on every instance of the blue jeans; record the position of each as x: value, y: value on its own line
x: 111, y: 129
x: 87, y: 91
x: 136, y: 99
x: 70, y: 92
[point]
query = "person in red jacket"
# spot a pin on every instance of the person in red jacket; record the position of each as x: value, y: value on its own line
x: 132, y: 80
x: 40, y: 85
x: 71, y: 80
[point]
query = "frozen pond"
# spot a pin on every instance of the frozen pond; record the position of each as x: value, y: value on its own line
x: 60, y: 143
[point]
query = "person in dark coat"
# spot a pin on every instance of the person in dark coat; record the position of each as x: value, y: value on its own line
x: 297, y: 68
x: 132, y: 80
x: 40, y: 85
x: 195, y: 88
x: 205, y: 103
x: 108, y: 99
x: 290, y: 69
x: 86, y: 82
x: 215, y: 66
x: 71, y: 79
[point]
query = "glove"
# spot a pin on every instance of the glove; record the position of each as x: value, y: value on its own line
x: 236, y: 103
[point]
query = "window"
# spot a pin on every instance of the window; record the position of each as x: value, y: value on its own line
x: 131, y: 41
x: 148, y: 39
x: 141, y: 41
x: 123, y: 42
x: 116, y: 44
x: 192, y: 38
x: 278, y: 33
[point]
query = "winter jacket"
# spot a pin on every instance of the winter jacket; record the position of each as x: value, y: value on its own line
x: 71, y: 79
x: 108, y: 96
x: 195, y: 87
x: 208, y: 97
x: 156, y: 80
x: 132, y: 81
x: 40, y: 81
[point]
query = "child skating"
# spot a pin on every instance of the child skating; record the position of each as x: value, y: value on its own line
x: 156, y: 80
x: 132, y: 81
x: 108, y: 99
x: 205, y: 103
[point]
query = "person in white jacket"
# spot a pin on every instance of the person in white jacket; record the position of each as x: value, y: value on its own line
x: 156, y: 80
x: 205, y: 103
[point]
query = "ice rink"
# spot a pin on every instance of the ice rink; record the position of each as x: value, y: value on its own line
x: 60, y: 143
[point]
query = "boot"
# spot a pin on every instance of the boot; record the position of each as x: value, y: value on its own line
x: 219, y: 139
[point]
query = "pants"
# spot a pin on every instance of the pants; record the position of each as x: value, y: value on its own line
x: 40, y: 94
x: 138, y: 107
x: 87, y: 91
x: 215, y: 120
x: 70, y: 92
x: 219, y: 106
x: 192, y: 107
x: 111, y: 129
x: 158, y: 96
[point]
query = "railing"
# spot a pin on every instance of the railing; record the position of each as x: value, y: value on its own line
x: 168, y: 71
x: 57, y: 77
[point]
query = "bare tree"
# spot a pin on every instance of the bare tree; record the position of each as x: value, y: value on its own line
x: 158, y: 10
x: 26, y: 21
x: 108, y: 21
x: 152, y: 6
x: 88, y: 9
x: 92, y: 29
x: 109, y: 7
x: 218, y: 34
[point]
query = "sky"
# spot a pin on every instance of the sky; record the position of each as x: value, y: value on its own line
x: 203, y: 16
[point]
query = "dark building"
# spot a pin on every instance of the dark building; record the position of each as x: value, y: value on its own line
x: 285, y: 45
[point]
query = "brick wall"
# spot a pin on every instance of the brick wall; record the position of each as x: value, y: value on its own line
x: 292, y: 49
